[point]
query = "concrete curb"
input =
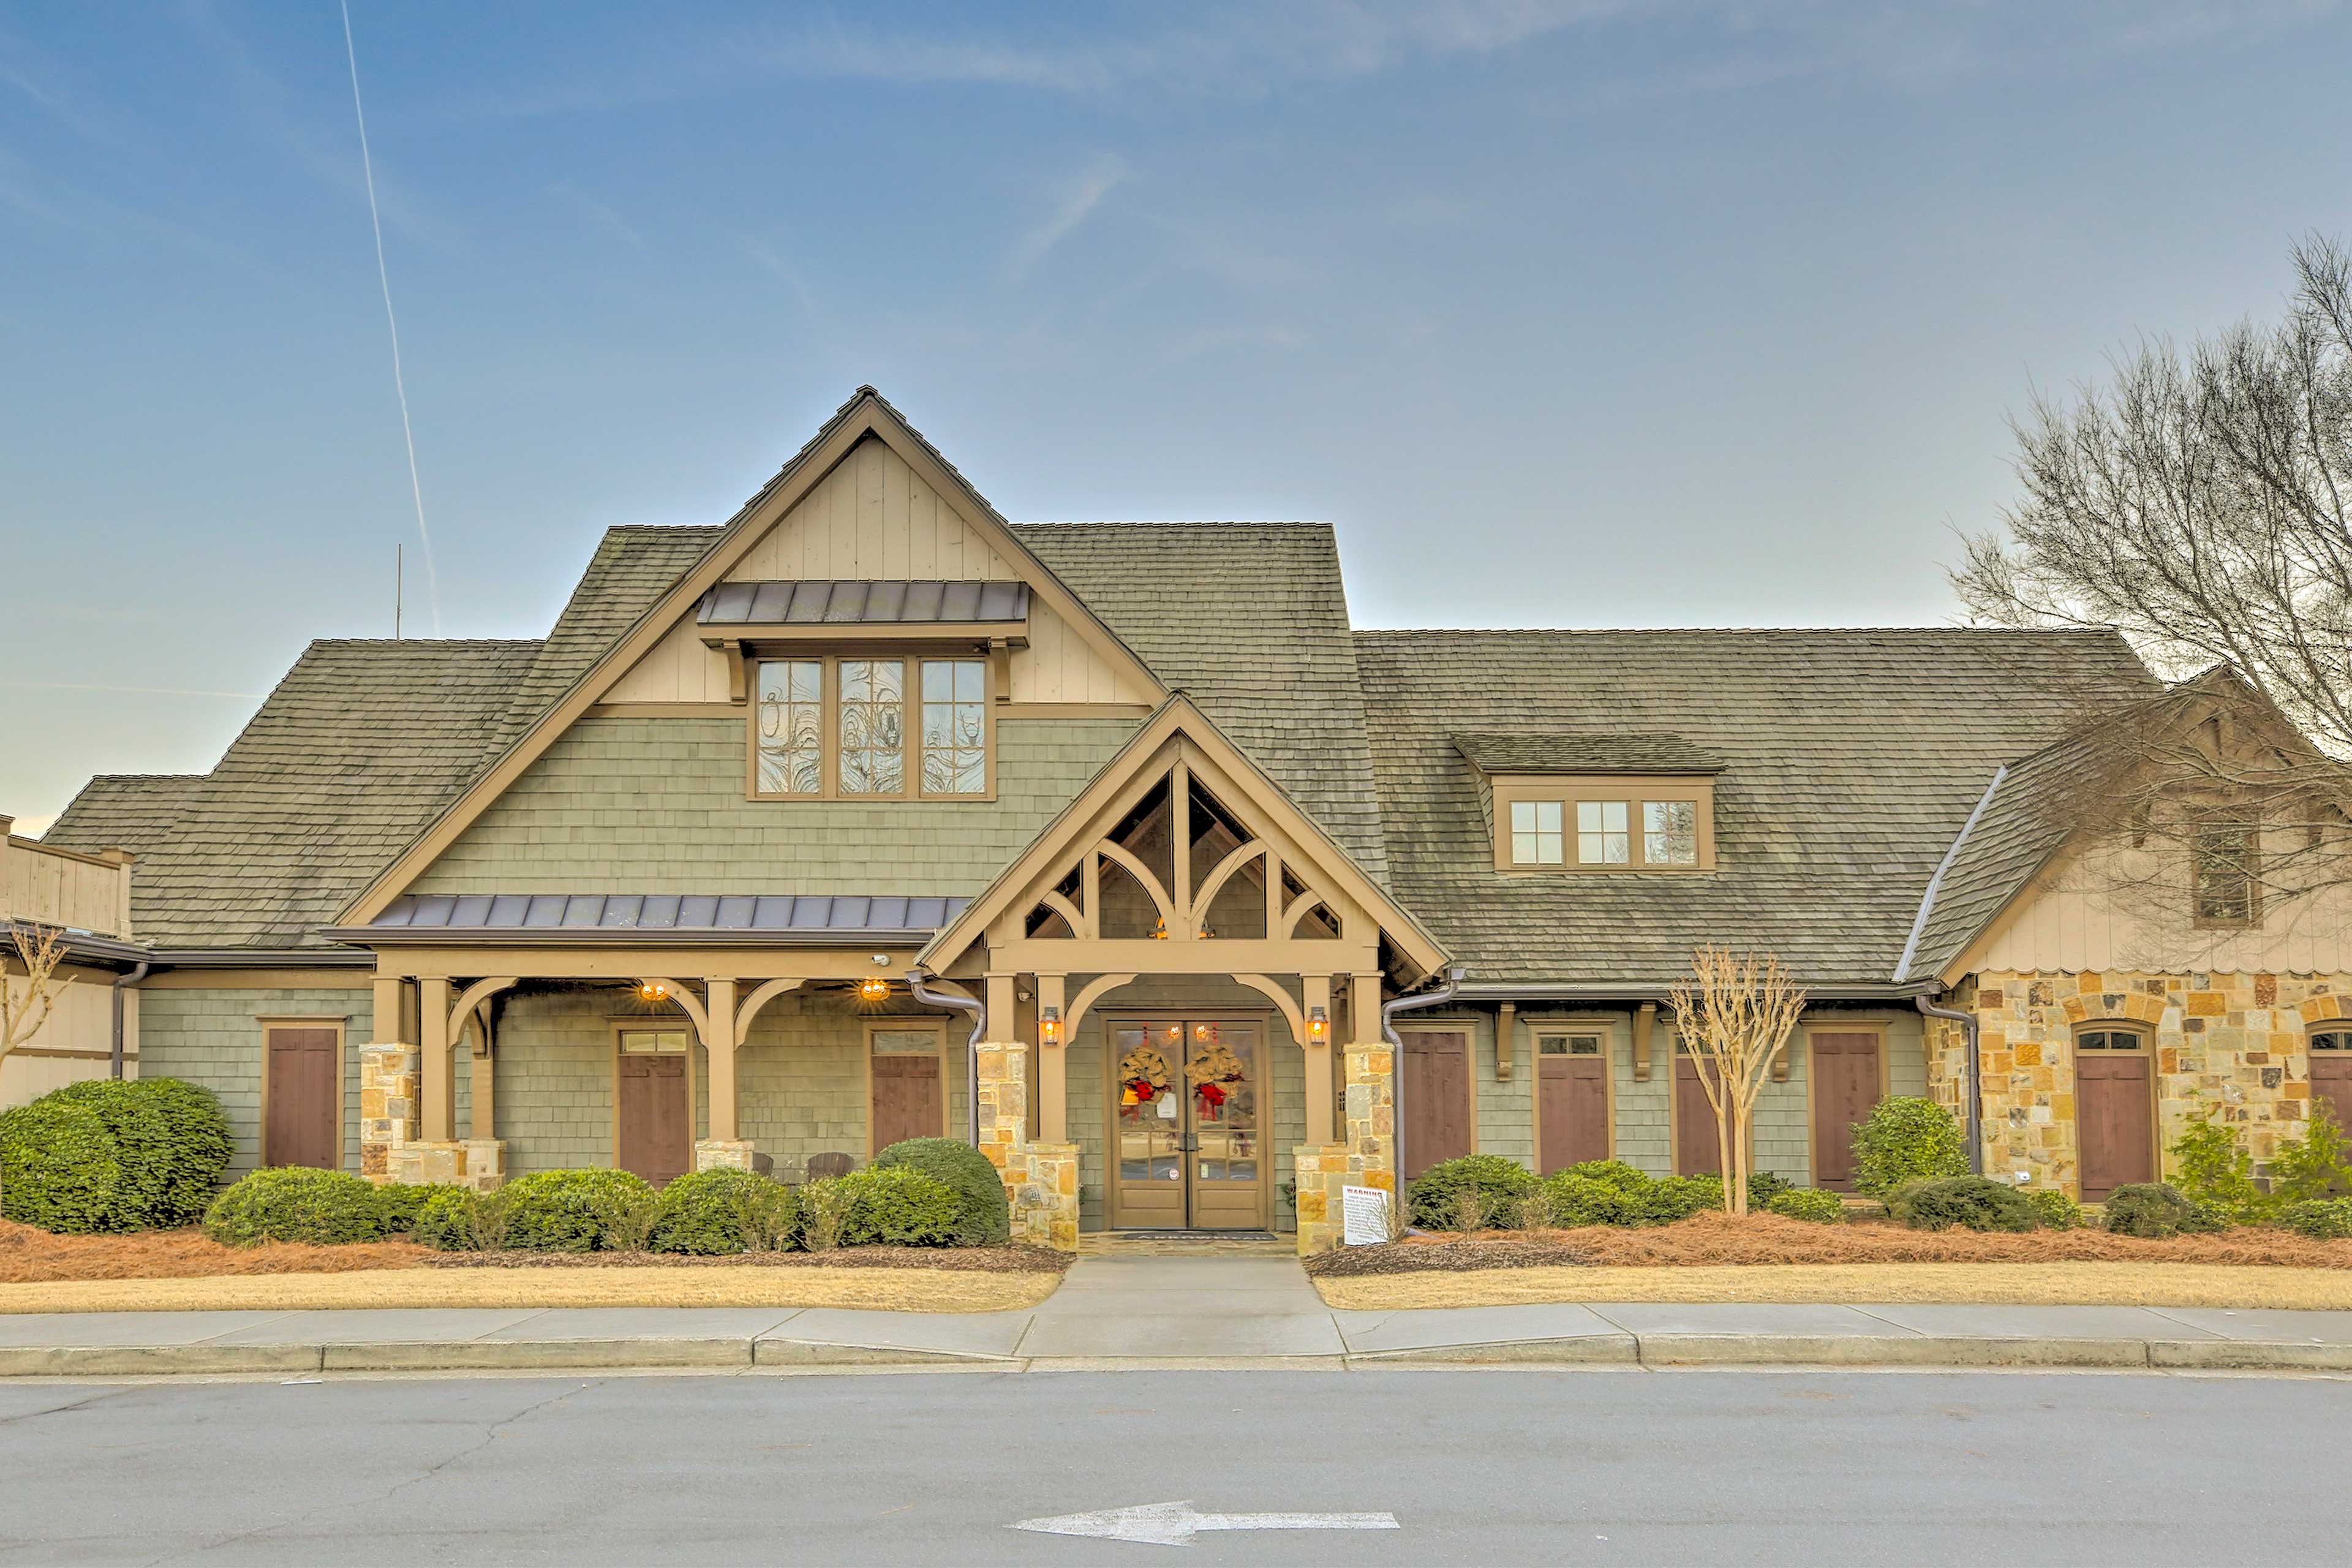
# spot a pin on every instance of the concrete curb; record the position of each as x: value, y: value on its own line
x: 1830, y: 1351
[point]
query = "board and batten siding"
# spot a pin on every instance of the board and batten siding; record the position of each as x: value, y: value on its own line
x: 77, y: 1042
x: 213, y: 1038
x: 657, y: 805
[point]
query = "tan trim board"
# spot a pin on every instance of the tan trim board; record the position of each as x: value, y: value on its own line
x: 665, y: 711
x: 260, y: 980
x: 43, y: 1054
x: 1017, y: 712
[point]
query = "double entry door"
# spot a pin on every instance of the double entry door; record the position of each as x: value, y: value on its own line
x: 1188, y: 1124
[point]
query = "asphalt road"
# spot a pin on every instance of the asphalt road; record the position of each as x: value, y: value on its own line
x: 1523, y: 1466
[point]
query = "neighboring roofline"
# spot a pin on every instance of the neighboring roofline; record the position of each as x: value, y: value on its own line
x: 866, y: 413
x: 1661, y: 991
x: 1936, y: 881
x: 1178, y: 715
x: 263, y: 958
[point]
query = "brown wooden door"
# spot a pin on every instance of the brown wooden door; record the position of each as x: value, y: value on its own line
x: 656, y: 1120
x: 1436, y: 1098
x: 2114, y: 1116
x: 1844, y: 1066
x: 907, y: 1102
x: 2331, y: 1083
x: 302, y: 1127
x: 1572, y: 1108
x: 1697, y: 1152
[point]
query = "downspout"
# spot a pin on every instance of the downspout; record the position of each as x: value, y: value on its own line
x: 917, y: 982
x: 122, y: 982
x: 1970, y: 1067
x: 1389, y: 1010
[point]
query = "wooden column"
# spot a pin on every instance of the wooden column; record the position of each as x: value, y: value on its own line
x: 1316, y: 990
x: 391, y: 1014
x: 1053, y: 1072
x: 720, y: 1043
x: 482, y: 1108
x: 1507, y: 1035
x: 438, y: 1067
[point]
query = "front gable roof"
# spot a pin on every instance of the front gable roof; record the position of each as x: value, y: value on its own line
x: 866, y: 415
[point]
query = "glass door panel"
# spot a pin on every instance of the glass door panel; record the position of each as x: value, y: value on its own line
x: 1223, y: 1074
x: 1148, y: 1125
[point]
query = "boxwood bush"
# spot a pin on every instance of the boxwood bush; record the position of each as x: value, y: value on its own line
x: 293, y: 1202
x: 399, y: 1203
x: 1906, y: 1140
x: 1967, y: 1202
x: 1672, y: 1198
x: 2056, y: 1210
x: 451, y: 1218
x: 885, y: 1205
x: 172, y: 1144
x: 984, y: 1214
x: 58, y: 1168
x: 2156, y: 1209
x: 713, y: 1211
x: 2322, y: 1219
x: 1815, y: 1204
x: 1578, y: 1199
x: 1444, y: 1194
x: 577, y: 1211
x: 1763, y: 1186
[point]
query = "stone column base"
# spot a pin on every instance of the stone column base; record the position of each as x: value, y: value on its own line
x: 723, y: 1155
x: 388, y: 1086
x: 1046, y: 1201
x: 1323, y: 1174
x: 479, y: 1164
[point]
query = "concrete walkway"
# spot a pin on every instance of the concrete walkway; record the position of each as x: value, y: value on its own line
x: 1165, y: 1312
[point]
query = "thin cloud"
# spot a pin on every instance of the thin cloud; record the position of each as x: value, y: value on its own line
x: 596, y: 212
x: 1083, y: 195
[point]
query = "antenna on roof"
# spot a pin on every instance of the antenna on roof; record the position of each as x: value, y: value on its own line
x: 399, y: 583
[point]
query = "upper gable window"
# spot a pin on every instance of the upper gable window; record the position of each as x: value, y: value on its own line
x: 1536, y: 832
x: 1599, y: 824
x: 839, y: 728
x: 1601, y: 838
x: 2223, y: 885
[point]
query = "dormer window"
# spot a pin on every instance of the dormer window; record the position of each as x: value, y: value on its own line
x: 838, y: 728
x: 1597, y: 803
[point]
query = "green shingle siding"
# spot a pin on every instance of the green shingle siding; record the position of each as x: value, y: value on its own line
x: 646, y: 805
x: 213, y: 1038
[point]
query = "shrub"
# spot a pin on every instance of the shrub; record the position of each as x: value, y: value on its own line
x: 825, y: 1213
x: 1578, y: 1199
x: 1906, y: 1140
x: 1614, y: 1173
x: 1763, y: 1186
x: 2323, y: 1219
x: 172, y: 1144
x: 1812, y: 1203
x: 445, y: 1219
x: 58, y: 1168
x: 983, y: 1216
x: 2216, y: 1172
x: 1679, y: 1197
x: 1435, y: 1199
x: 2316, y: 1166
x: 399, y: 1203
x: 1970, y: 1203
x: 577, y: 1211
x: 2159, y: 1209
x: 2053, y: 1209
x: 293, y: 1202
x: 898, y: 1205
x: 712, y: 1211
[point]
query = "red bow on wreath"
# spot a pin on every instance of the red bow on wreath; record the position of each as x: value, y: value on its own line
x: 1144, y: 1090
x: 1211, y: 1095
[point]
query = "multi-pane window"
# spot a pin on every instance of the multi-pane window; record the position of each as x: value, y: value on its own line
x: 1568, y: 1045
x: 955, y: 726
x: 841, y: 729
x: 791, y: 720
x: 1603, y: 837
x: 1670, y: 832
x: 2109, y: 1040
x: 2332, y: 1040
x: 2225, y: 894
x: 1536, y: 832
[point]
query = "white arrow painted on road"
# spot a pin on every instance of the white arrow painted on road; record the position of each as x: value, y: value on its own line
x: 1175, y: 1523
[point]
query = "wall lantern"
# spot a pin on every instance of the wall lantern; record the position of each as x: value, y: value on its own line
x: 1319, y: 1026
x: 873, y: 987
x: 1049, y: 1024
x: 652, y: 992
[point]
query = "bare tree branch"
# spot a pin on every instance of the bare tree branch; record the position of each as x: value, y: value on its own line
x: 1735, y: 1014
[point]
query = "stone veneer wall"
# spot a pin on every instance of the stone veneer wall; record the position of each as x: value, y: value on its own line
x: 2235, y: 1042
x: 212, y: 1038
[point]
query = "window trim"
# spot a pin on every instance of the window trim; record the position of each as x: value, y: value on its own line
x: 1633, y: 790
x: 2198, y: 920
x: 830, y: 660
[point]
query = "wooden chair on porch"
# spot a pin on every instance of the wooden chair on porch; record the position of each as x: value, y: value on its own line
x: 823, y: 1167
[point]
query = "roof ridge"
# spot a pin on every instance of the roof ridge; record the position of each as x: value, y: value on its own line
x: 1405, y: 632
x: 426, y: 642
x: 1110, y: 523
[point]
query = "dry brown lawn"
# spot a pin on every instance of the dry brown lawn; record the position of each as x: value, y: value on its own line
x: 1990, y: 1284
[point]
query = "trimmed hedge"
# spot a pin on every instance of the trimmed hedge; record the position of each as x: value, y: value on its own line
x: 577, y: 1211
x: 399, y: 1203
x: 1439, y: 1198
x: 449, y: 1219
x: 172, y: 1144
x: 2156, y: 1209
x: 1906, y: 1140
x: 2322, y: 1219
x: 714, y: 1212
x: 984, y: 1216
x: 885, y: 1205
x: 1578, y: 1199
x: 1967, y: 1202
x: 293, y: 1202
x: 1815, y: 1204
x: 2054, y: 1209
x: 59, y: 1168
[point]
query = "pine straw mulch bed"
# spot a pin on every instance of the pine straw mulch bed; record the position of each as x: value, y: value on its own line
x: 1717, y: 1239
x: 29, y: 1255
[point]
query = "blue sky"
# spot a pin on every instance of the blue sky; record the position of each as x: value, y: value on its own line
x: 1593, y: 313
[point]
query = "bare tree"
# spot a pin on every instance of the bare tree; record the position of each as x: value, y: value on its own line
x: 2202, y: 504
x: 1735, y: 1013
x: 25, y: 1004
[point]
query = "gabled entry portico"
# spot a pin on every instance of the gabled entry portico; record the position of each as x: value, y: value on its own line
x: 1180, y: 880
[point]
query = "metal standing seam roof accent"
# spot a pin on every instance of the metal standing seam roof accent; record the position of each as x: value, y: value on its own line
x: 780, y: 913
x: 1564, y: 753
x: 808, y: 602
